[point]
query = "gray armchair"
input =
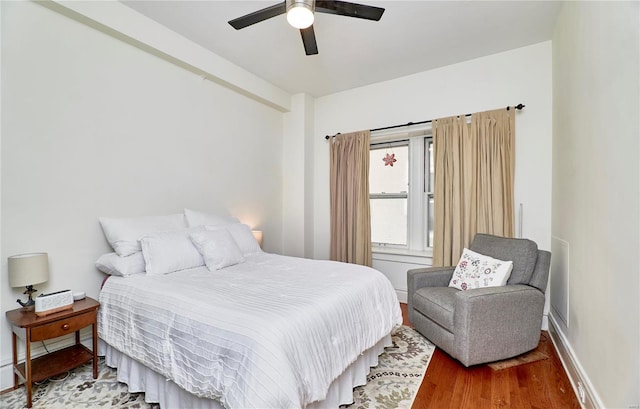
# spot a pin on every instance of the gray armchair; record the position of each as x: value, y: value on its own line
x: 485, y: 324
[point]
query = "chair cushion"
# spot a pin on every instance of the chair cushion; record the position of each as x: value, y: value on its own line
x: 522, y: 252
x: 437, y: 304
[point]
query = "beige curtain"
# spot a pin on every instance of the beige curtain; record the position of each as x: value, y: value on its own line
x: 349, y: 184
x: 474, y: 171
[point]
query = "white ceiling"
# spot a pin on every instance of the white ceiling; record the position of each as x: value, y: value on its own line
x: 411, y: 37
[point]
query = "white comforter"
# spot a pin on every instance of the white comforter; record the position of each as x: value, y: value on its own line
x: 271, y: 332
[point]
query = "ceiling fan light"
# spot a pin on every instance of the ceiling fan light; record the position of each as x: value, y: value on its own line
x: 300, y: 16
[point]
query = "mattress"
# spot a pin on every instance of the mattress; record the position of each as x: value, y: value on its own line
x: 273, y: 331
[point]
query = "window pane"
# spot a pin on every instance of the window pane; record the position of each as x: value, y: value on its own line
x: 389, y: 221
x: 430, y: 162
x: 389, y: 179
x: 429, y: 180
x: 430, y: 222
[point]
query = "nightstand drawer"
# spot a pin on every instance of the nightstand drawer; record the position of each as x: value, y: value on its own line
x: 63, y: 327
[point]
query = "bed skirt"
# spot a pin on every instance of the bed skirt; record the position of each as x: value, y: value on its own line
x: 160, y: 390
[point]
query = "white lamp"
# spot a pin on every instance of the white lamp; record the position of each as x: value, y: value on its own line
x: 25, y: 270
x: 300, y: 13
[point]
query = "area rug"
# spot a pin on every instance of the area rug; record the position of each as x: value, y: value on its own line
x: 78, y: 389
x: 392, y: 384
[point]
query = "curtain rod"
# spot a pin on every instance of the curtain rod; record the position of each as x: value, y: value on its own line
x: 517, y: 107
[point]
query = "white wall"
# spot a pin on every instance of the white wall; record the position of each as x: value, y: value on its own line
x: 92, y: 126
x: 518, y: 76
x: 298, y: 134
x: 596, y: 192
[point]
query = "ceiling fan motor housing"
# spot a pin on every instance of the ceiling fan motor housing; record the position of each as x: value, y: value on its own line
x: 309, y: 4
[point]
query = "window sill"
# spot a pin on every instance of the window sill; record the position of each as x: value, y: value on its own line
x: 402, y: 255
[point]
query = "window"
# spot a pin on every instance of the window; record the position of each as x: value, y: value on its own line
x: 388, y: 193
x: 429, y: 188
x: 401, y: 196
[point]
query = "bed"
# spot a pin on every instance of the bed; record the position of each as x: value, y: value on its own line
x: 270, y: 331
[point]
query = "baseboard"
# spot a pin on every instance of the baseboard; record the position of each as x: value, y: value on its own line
x: 574, y: 370
x: 402, y: 295
x: 6, y: 366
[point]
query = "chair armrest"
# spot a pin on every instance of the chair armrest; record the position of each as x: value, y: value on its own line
x: 426, y: 277
x: 512, y: 314
x: 429, y: 277
x: 504, y: 290
x: 498, y: 302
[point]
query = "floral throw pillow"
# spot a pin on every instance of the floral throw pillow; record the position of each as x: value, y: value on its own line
x: 475, y: 270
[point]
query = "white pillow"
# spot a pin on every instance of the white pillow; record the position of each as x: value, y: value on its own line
x: 115, y: 265
x: 218, y: 248
x: 166, y: 252
x: 123, y: 233
x: 196, y: 218
x: 475, y: 270
x: 243, y: 237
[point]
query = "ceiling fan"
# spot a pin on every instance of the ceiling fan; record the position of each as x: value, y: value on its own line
x: 300, y: 15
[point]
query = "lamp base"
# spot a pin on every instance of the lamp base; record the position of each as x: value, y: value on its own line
x: 30, y: 303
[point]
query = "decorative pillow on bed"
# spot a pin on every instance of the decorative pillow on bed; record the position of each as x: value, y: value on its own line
x: 475, y: 270
x: 218, y: 248
x: 115, y: 265
x: 196, y: 218
x: 124, y: 233
x: 243, y: 237
x: 169, y: 251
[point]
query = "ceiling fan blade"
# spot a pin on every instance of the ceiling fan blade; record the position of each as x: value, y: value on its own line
x: 258, y: 16
x: 309, y: 40
x: 344, y: 8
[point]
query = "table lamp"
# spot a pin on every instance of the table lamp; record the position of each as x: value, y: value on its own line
x: 25, y: 270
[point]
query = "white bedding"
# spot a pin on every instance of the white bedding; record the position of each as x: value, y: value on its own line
x: 273, y: 331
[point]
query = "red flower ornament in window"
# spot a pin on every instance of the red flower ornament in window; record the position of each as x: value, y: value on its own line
x: 389, y: 159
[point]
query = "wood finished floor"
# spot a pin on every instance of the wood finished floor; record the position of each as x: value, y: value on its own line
x: 537, y: 385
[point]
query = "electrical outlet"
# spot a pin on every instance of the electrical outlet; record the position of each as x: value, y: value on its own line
x: 581, y: 393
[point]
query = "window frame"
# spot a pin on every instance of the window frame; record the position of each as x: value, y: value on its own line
x: 393, y: 195
x: 418, y: 194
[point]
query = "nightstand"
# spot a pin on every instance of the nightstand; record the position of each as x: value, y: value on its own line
x: 29, y: 327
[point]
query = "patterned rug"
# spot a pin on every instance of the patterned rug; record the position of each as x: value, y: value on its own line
x: 392, y: 384
x: 78, y: 389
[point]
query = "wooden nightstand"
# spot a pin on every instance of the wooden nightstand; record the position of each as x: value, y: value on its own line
x: 29, y: 327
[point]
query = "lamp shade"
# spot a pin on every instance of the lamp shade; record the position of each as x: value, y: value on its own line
x: 28, y: 269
